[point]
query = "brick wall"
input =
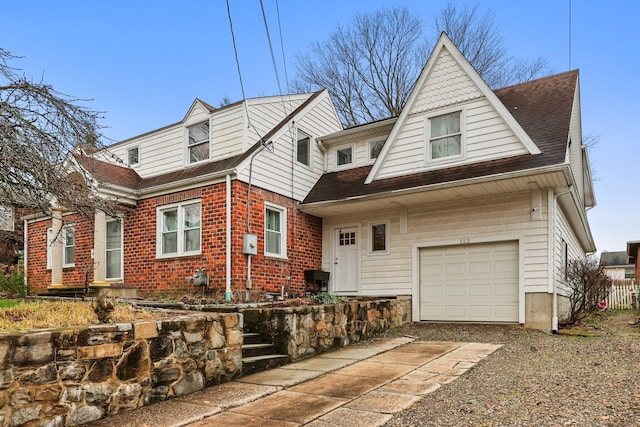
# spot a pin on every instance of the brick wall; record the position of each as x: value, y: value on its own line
x: 38, y: 276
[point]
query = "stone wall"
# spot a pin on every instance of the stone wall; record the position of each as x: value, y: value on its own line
x: 303, y: 331
x: 71, y: 376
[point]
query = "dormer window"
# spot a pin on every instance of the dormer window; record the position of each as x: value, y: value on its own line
x: 446, y: 136
x: 374, y: 149
x: 344, y: 156
x: 198, y: 144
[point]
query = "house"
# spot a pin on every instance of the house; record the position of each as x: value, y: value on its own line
x: 11, y: 237
x: 617, y: 266
x: 231, y: 174
x: 471, y: 201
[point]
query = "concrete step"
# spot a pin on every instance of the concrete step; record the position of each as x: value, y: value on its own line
x: 252, y: 338
x: 262, y: 349
x: 255, y: 364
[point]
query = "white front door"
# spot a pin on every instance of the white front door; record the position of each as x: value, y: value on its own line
x: 346, y: 260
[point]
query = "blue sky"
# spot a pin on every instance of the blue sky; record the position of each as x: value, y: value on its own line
x: 144, y: 62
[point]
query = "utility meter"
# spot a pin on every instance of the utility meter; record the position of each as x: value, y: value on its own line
x: 250, y: 244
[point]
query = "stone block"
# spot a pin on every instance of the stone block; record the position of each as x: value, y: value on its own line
x: 73, y: 394
x: 44, y: 374
x: 6, y: 377
x: 24, y: 415
x: 5, y: 352
x: 145, y: 330
x: 50, y: 393
x: 97, y: 393
x: 135, y: 363
x: 160, y: 348
x: 192, y: 337
x: 231, y: 321
x: 191, y: 382
x: 234, y: 337
x: 100, y: 351
x: 85, y: 414
x: 126, y: 397
x: 72, y: 371
x: 101, y: 370
x: 37, y: 353
x: 20, y: 397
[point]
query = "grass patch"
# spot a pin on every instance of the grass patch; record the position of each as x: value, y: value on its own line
x: 56, y: 314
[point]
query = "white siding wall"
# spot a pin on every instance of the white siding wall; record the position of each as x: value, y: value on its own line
x: 575, y: 151
x: 488, y: 219
x: 486, y: 135
x: 266, y: 113
x: 564, y: 232
x: 227, y: 132
x: 273, y: 171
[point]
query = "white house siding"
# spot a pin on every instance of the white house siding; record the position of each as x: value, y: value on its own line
x: 197, y: 114
x: 564, y: 232
x: 486, y: 135
x: 486, y: 220
x: 273, y: 170
x: 226, y: 132
x: 575, y: 150
x: 266, y: 113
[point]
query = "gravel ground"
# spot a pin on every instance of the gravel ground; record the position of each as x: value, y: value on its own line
x: 537, y: 378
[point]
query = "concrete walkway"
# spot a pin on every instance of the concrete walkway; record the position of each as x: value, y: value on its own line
x: 360, y: 385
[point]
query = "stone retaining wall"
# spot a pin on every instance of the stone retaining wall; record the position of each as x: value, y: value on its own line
x: 303, y: 331
x: 71, y: 376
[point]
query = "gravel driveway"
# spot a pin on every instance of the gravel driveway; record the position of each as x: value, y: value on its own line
x: 536, y: 378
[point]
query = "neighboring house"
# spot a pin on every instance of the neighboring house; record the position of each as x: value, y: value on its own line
x: 471, y: 201
x: 617, y: 266
x: 633, y: 252
x: 11, y: 235
x: 186, y: 190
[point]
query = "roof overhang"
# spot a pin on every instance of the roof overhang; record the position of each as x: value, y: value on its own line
x: 632, y: 251
x: 473, y: 188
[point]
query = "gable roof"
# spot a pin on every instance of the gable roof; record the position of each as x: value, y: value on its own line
x: 542, y: 107
x: 445, y: 44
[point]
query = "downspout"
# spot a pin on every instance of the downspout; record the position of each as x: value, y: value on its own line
x: 554, y: 318
x: 25, y: 252
x: 227, y: 293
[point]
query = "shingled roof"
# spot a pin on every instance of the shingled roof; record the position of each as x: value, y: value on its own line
x: 542, y: 107
x: 122, y: 176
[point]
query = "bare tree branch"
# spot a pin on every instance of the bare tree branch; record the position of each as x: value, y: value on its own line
x: 39, y: 130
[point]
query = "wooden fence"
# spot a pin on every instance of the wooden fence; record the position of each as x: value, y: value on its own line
x: 623, y: 295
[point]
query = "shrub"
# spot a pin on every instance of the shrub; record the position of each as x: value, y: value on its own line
x: 588, y: 285
x: 12, y: 281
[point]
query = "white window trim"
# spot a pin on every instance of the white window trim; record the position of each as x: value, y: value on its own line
x: 63, y: 235
x: 386, y: 237
x: 106, y: 250
x: 133, y: 147
x: 180, y: 231
x: 283, y: 230
x: 353, y: 156
x: 187, y: 156
x: 463, y: 136
x: 310, y: 165
x: 371, y: 142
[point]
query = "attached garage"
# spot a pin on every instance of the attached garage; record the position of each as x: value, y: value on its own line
x: 473, y: 282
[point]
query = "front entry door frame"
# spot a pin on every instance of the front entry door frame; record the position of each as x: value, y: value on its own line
x: 346, y: 259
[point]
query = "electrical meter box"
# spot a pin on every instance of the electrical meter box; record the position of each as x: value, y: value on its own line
x: 250, y: 244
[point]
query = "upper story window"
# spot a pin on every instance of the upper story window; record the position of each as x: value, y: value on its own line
x: 275, y: 231
x: 179, y: 229
x: 374, y: 149
x: 198, y: 144
x: 344, y: 156
x: 303, y: 148
x: 446, y: 136
x: 133, y: 156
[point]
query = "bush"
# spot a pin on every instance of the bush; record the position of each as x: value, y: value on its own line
x: 12, y: 281
x: 588, y: 285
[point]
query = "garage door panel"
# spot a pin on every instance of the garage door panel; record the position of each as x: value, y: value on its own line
x: 477, y: 282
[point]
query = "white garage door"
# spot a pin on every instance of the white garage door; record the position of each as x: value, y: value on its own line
x: 476, y: 283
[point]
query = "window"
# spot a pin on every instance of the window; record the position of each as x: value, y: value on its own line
x: 179, y: 230
x: 198, y: 145
x: 629, y: 273
x: 133, y: 156
x: 68, y: 246
x: 275, y: 231
x: 114, y: 249
x: 6, y: 218
x: 378, y: 237
x: 374, y: 149
x: 565, y: 259
x: 344, y: 156
x: 446, y: 137
x: 303, y: 149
